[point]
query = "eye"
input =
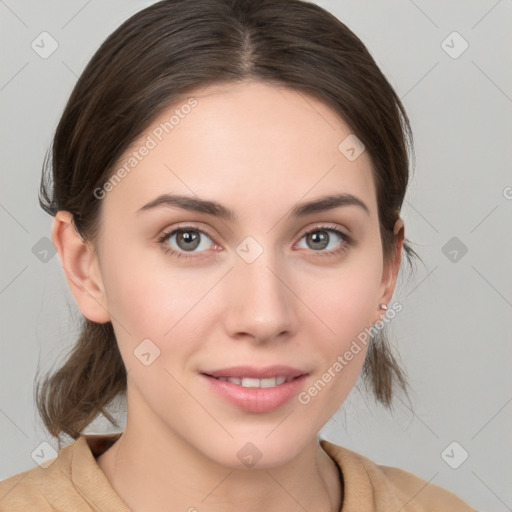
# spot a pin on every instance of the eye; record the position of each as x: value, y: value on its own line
x: 319, y: 239
x: 180, y: 241
x: 186, y: 238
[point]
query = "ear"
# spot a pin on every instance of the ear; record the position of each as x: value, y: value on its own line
x: 390, y: 272
x: 80, y: 264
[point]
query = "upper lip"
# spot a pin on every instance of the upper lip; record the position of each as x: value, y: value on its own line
x: 255, y: 372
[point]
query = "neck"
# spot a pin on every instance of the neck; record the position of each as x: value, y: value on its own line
x: 171, y: 477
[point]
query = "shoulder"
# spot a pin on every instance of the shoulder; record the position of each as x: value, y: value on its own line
x: 426, y: 495
x: 24, y: 491
x: 70, y: 481
x: 389, y: 486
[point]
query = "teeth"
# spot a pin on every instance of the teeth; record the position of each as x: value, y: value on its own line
x: 268, y: 383
x: 248, y: 382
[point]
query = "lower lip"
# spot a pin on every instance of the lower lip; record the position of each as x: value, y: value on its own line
x: 256, y: 399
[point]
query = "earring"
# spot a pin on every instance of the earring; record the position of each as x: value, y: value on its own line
x: 383, y: 306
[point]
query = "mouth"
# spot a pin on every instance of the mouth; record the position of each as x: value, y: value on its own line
x: 256, y: 389
x: 250, y: 382
x: 256, y: 377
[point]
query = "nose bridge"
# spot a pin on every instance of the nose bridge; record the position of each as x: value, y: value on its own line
x: 260, y: 302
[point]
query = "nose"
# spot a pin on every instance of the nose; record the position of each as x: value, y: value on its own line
x: 260, y: 302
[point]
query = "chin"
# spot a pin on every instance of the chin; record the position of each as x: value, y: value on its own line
x: 260, y: 451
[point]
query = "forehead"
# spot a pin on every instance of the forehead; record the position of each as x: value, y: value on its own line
x: 245, y: 145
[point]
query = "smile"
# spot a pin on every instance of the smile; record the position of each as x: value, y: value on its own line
x: 255, y: 389
x: 249, y: 382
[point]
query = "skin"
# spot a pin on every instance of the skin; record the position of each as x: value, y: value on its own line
x: 258, y: 150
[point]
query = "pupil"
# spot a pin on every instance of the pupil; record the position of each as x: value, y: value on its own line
x: 188, y: 238
x: 319, y: 237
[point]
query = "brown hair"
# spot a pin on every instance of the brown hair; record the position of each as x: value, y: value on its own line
x: 149, y: 63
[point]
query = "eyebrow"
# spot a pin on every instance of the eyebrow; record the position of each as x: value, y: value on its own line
x: 216, y: 209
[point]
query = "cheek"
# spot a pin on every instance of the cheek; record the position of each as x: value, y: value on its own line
x: 157, y: 302
x: 345, y: 300
x: 145, y: 295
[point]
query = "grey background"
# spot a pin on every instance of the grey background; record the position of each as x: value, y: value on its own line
x: 453, y: 333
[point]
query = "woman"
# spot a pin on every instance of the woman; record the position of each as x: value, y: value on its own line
x: 263, y: 135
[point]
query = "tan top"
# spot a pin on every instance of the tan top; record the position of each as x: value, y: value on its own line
x: 74, y: 482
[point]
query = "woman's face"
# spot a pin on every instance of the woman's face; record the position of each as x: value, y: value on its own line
x: 252, y: 290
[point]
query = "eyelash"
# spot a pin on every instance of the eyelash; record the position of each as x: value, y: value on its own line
x: 347, y: 240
